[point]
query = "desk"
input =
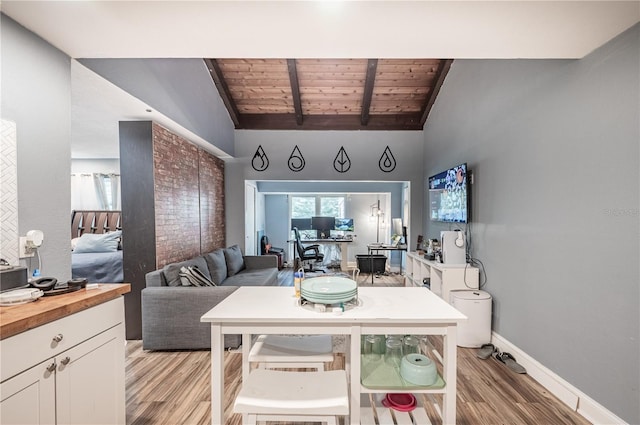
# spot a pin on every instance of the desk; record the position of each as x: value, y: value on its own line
x: 343, y: 249
x: 378, y: 247
x: 381, y: 310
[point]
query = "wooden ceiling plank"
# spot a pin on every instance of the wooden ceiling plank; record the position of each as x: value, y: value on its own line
x: 262, y: 101
x: 265, y: 82
x: 330, y: 97
x: 331, y: 83
x: 295, y: 90
x: 404, y: 83
x: 254, y: 67
x: 223, y: 90
x: 443, y: 69
x: 369, y: 82
x: 406, y: 91
x: 348, y: 76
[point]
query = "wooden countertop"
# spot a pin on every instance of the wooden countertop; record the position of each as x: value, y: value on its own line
x: 19, y: 318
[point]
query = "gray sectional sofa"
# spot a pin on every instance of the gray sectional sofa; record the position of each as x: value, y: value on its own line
x: 171, y: 312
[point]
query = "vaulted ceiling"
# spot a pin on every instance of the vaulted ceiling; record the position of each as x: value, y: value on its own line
x: 345, y: 38
x: 328, y: 94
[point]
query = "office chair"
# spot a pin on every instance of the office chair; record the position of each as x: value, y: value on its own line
x: 308, y: 253
x: 267, y: 249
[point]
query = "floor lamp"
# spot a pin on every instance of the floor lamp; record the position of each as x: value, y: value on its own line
x: 377, y: 212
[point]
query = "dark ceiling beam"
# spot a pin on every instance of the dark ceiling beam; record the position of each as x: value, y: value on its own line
x: 223, y: 90
x: 333, y: 122
x: 295, y: 90
x: 443, y: 69
x: 369, y: 81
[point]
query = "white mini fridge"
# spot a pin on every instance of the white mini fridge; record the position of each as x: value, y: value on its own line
x: 476, y: 305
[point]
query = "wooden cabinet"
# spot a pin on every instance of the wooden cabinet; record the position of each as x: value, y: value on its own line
x: 69, y: 371
x: 440, y: 278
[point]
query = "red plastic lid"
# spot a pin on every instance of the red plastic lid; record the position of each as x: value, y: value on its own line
x: 400, y: 401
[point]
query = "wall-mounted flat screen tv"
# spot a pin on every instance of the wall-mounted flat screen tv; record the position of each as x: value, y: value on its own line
x: 344, y: 224
x: 448, y: 195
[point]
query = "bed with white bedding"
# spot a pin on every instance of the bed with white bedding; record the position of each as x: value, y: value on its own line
x: 97, y: 246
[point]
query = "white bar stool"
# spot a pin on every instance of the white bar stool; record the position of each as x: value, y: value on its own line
x: 275, y: 395
x: 292, y: 351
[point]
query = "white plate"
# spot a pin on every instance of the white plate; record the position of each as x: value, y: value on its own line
x: 324, y: 301
x: 337, y: 298
x: 19, y: 296
x: 329, y: 295
x: 329, y: 285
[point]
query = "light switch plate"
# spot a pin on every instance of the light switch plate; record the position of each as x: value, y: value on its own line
x: 23, y: 248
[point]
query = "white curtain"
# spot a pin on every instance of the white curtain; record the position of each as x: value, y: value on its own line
x: 83, y: 193
x: 108, y: 190
x: 95, y: 191
x: 115, y: 191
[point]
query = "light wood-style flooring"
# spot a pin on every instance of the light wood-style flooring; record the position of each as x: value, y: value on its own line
x: 174, y: 387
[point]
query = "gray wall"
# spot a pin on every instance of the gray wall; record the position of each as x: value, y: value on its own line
x: 554, y: 146
x: 319, y: 149
x: 36, y: 95
x: 276, y: 222
x: 181, y: 89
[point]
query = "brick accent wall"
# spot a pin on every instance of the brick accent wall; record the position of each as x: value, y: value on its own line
x: 212, y: 223
x: 183, y: 216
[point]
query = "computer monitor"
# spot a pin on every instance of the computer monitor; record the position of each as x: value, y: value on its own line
x: 301, y: 223
x: 344, y: 224
x: 323, y: 226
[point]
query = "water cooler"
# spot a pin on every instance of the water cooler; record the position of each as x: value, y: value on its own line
x: 476, y: 305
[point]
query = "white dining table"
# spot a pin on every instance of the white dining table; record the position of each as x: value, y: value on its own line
x: 380, y: 310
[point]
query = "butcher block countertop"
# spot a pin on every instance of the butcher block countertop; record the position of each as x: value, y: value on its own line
x: 19, y: 318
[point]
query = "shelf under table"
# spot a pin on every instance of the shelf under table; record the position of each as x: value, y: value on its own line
x: 378, y: 375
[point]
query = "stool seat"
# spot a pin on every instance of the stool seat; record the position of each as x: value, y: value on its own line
x: 284, y: 394
x: 301, y: 351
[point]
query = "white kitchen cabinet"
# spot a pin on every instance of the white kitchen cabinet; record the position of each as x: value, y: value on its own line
x: 440, y: 278
x: 69, y: 371
x: 30, y: 397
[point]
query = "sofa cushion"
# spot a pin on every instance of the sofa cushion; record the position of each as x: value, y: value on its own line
x: 172, y: 271
x: 235, y: 262
x: 254, y: 277
x: 217, y: 265
x: 192, y: 276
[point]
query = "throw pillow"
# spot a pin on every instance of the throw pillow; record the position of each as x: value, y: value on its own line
x: 93, y: 242
x: 172, y: 271
x: 217, y: 265
x: 192, y: 276
x: 235, y: 262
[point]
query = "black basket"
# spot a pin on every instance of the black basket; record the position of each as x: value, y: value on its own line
x: 365, y: 263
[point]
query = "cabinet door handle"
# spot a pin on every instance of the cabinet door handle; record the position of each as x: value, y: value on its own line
x: 58, y: 338
x: 65, y: 361
x: 51, y: 368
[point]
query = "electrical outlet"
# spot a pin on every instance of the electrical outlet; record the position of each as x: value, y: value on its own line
x: 24, y: 251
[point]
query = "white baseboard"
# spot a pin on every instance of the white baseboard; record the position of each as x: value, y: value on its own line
x: 567, y: 393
